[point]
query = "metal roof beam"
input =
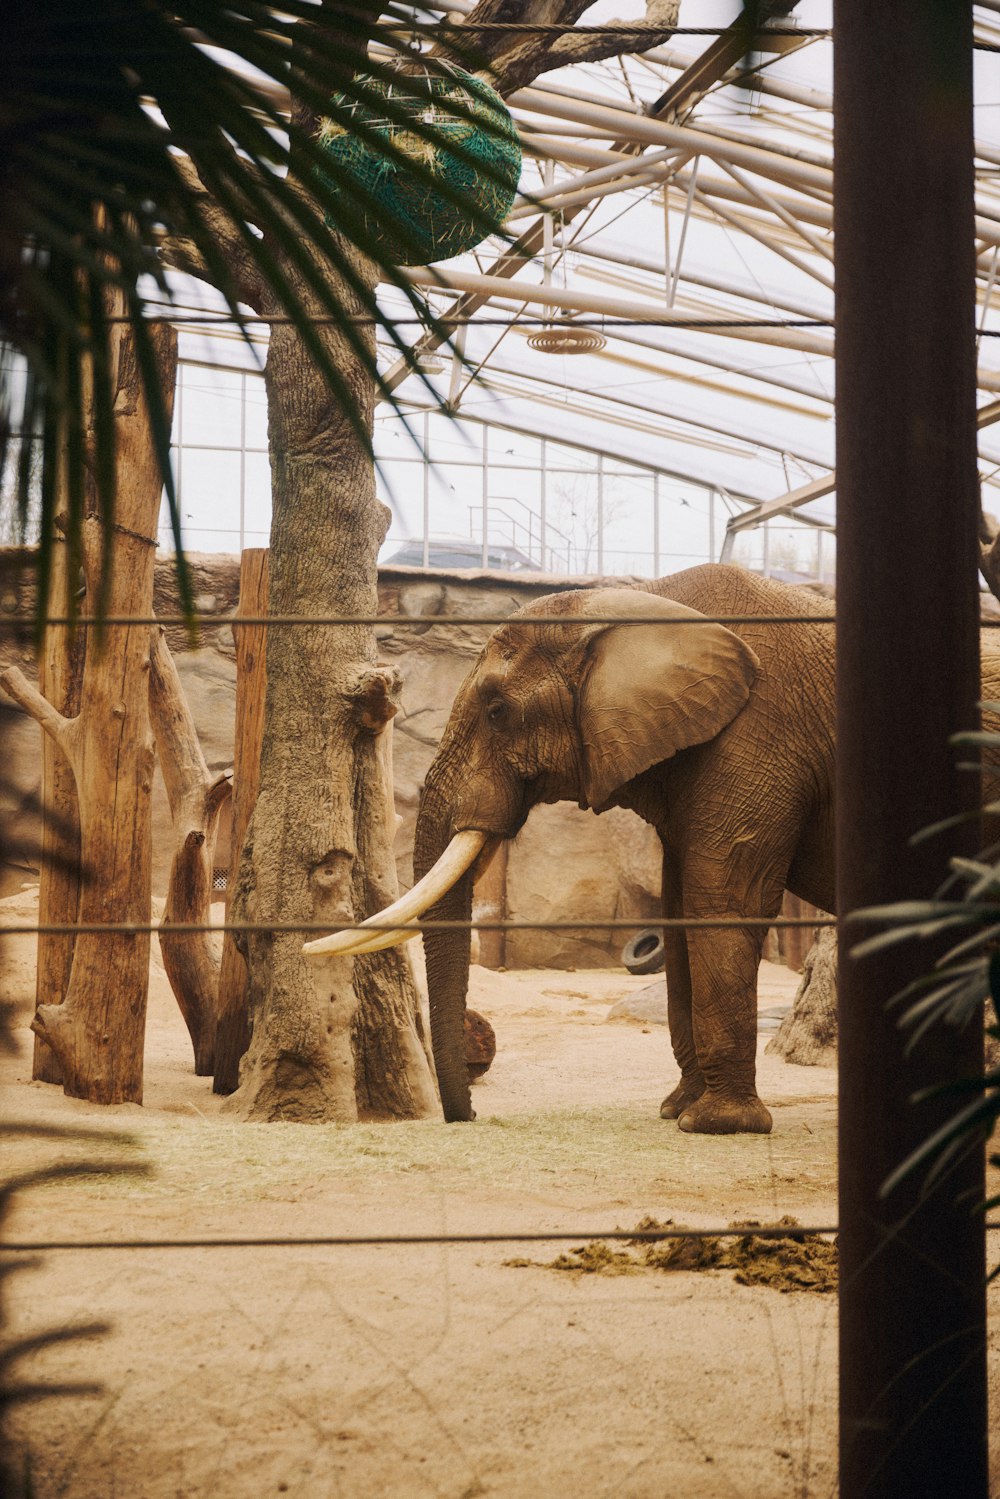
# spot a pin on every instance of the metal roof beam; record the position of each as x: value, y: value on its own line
x: 815, y: 490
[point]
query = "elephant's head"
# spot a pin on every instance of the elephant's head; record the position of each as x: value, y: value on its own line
x: 565, y: 703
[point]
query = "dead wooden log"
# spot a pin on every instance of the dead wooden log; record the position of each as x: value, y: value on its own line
x: 97, y: 1033
x: 60, y: 679
x: 196, y: 799
x: 232, y: 1029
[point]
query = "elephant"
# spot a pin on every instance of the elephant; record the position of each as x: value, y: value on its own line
x: 720, y: 736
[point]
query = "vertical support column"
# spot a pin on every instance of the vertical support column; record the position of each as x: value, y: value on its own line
x: 912, y: 1322
x: 711, y: 525
x: 656, y: 525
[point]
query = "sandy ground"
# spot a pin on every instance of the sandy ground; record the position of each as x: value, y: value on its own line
x: 436, y: 1370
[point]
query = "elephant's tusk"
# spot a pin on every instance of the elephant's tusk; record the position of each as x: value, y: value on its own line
x: 460, y: 855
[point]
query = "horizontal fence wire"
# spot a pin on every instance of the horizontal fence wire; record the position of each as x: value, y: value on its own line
x: 413, y: 621
x: 403, y: 1241
x: 372, y: 927
x: 421, y: 621
x: 333, y: 1241
x: 608, y: 322
x: 605, y: 320
x: 762, y: 30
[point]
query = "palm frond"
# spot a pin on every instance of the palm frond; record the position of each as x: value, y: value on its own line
x: 100, y: 103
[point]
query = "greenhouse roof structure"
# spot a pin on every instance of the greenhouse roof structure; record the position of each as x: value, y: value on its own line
x: 676, y: 316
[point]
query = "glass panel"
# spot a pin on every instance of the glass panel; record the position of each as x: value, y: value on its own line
x: 511, y: 449
x: 454, y: 440
x: 684, y: 525
x: 257, y: 494
x: 515, y: 519
x: 748, y: 549
x: 400, y: 486
x: 210, y: 492
x: 628, y: 523
x: 557, y: 456
x: 391, y: 438
x: 211, y: 402
x: 256, y: 413
x: 572, y: 516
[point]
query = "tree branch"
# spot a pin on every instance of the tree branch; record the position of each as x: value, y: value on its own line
x: 572, y: 49
x: 16, y: 685
x: 183, y: 253
x: 515, y: 61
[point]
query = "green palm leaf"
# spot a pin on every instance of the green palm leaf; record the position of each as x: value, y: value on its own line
x: 101, y: 104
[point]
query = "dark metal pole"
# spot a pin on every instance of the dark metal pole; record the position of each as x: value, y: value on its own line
x: 912, y: 1302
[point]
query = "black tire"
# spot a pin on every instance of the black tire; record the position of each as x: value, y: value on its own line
x: 645, y: 953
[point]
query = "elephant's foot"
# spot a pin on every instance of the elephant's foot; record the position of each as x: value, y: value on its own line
x: 687, y: 1092
x: 721, y: 1114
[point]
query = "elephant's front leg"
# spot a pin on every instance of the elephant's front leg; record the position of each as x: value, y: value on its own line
x: 692, y: 1084
x: 724, y: 963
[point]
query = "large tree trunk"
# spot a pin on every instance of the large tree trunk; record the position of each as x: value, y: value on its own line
x: 97, y: 1033
x: 318, y: 847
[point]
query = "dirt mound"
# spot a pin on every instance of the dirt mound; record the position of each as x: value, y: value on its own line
x: 792, y: 1261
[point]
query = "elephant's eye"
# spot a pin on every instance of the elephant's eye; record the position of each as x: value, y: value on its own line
x: 496, y: 712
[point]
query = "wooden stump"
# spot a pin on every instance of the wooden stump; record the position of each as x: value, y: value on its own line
x: 808, y: 1033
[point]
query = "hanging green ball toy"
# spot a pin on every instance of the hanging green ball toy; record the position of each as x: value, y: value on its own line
x: 446, y: 130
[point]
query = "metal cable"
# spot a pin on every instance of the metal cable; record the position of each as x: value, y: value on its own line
x: 616, y: 924
x: 651, y: 1236
x: 216, y: 621
x: 333, y: 1241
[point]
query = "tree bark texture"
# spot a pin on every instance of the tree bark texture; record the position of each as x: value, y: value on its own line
x: 318, y: 846
x: 232, y: 1030
x: 196, y: 799
x: 97, y: 1033
x: 60, y: 677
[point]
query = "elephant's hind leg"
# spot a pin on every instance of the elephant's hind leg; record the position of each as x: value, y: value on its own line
x: 692, y: 1084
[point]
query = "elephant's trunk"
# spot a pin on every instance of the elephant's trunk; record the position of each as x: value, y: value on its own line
x: 447, y: 954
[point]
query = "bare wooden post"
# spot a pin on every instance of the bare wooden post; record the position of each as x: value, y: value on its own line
x: 97, y: 1033
x: 390, y: 1050
x: 196, y: 798
x: 232, y: 1032
x: 60, y: 677
x: 913, y: 1408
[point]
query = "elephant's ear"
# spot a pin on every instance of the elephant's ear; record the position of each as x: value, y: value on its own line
x: 648, y: 691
